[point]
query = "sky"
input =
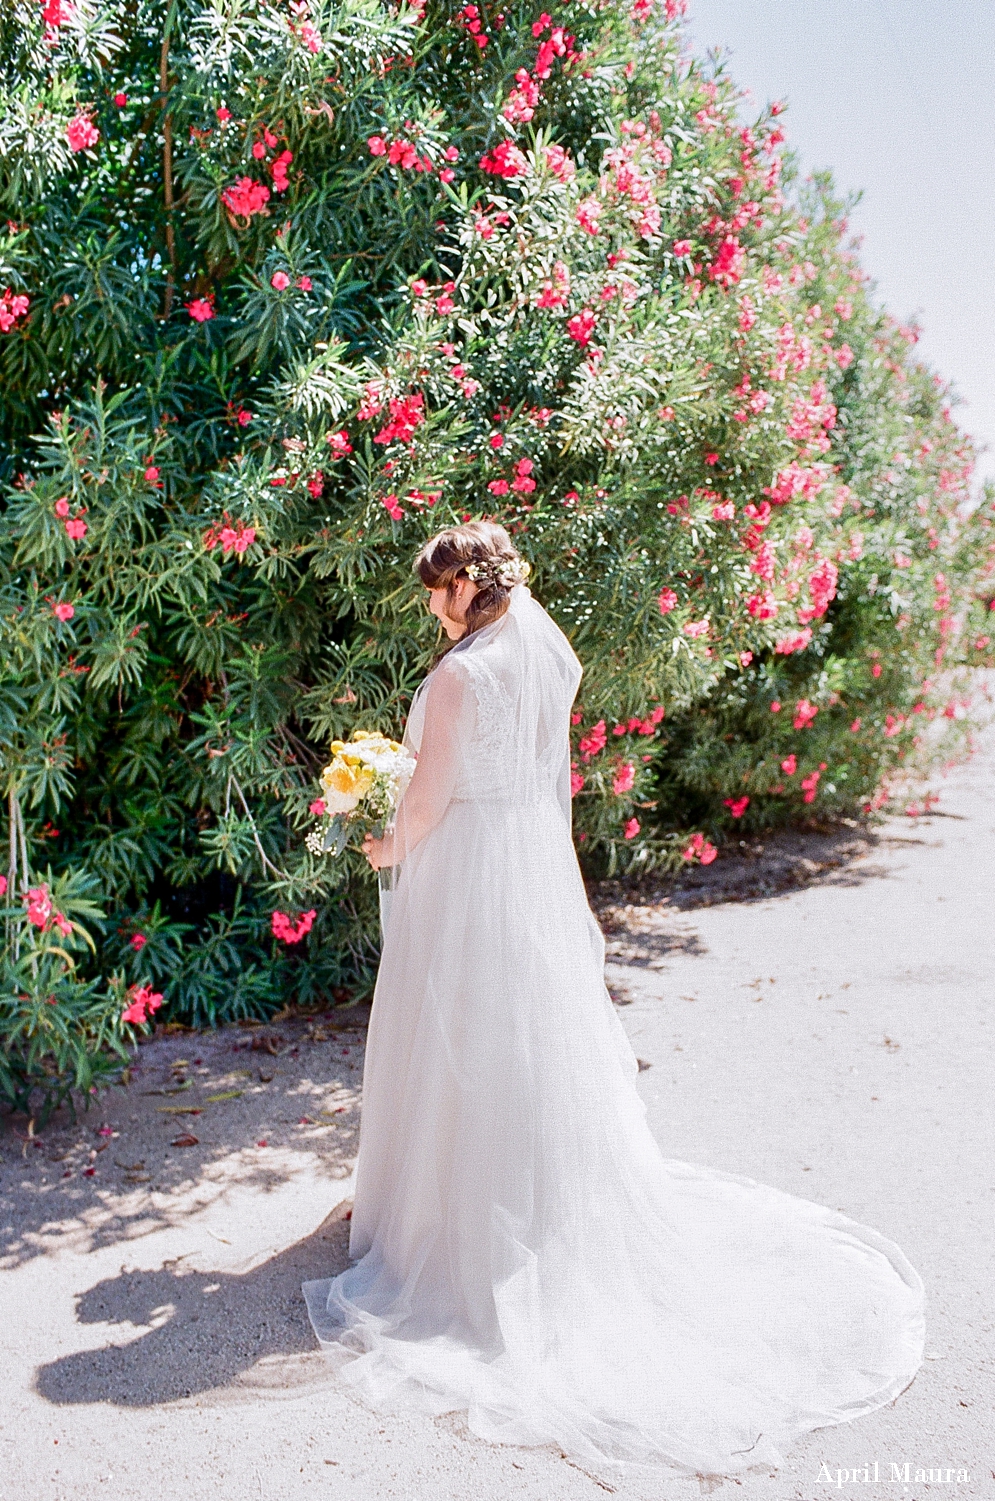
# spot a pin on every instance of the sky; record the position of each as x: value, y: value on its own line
x: 896, y: 98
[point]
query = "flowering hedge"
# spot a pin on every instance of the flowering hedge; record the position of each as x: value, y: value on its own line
x: 286, y: 288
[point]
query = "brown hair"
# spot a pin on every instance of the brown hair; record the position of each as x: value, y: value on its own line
x: 445, y: 558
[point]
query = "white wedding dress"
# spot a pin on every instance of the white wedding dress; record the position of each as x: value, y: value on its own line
x: 521, y: 1247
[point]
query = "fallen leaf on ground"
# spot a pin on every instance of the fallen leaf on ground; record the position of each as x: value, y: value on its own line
x: 228, y: 1094
x: 267, y: 1044
x: 185, y: 1141
x: 180, y: 1110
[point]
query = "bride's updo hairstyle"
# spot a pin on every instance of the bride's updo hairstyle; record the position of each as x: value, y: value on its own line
x: 481, y: 551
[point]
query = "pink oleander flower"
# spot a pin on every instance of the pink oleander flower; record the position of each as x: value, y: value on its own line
x: 317, y: 807
x: 790, y: 764
x: 631, y: 829
x: 809, y: 785
x: 81, y: 133
x: 120, y: 100
x: 624, y: 779
x: 402, y: 154
x: 594, y: 741
x: 699, y: 848
x: 63, y: 611
x: 280, y: 281
x: 804, y: 714
x: 245, y: 198
x: 143, y: 999
x: 696, y: 628
x: 138, y: 942
x: 278, y: 171
x: 339, y: 444
x: 505, y: 160
x: 667, y: 601
x: 588, y: 213
x: 377, y: 145
x: 283, y: 928
x: 304, y: 283
x: 560, y: 163
x: 406, y: 414
x: 76, y: 529
x: 39, y: 906
x: 200, y: 309
x: 763, y: 606
x: 797, y: 641
x: 576, y: 782
x: 581, y: 326
x: 737, y: 805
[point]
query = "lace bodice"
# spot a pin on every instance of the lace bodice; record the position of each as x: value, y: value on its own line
x: 486, y: 767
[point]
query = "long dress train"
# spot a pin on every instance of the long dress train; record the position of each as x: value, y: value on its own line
x: 522, y: 1249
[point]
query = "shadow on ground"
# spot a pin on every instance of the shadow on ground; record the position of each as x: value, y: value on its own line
x: 766, y: 866
x: 642, y: 918
x: 242, y: 1108
x: 209, y: 1328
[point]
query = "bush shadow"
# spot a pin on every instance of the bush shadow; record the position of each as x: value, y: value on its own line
x: 208, y: 1329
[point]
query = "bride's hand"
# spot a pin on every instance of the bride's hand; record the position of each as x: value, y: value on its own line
x: 373, y: 850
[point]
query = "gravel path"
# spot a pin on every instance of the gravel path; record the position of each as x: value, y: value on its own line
x: 833, y: 1040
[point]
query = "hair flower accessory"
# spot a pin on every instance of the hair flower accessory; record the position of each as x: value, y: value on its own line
x: 507, y: 572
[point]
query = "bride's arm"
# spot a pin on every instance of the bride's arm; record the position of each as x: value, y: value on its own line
x: 450, y: 709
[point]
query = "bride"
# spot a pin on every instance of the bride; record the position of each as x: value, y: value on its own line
x: 521, y: 1247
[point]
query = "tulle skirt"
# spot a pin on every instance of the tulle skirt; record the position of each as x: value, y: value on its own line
x: 522, y: 1249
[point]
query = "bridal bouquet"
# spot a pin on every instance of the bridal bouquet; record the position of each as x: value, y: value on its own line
x: 361, y: 786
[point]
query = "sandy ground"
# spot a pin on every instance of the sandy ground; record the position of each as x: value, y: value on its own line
x: 814, y: 1014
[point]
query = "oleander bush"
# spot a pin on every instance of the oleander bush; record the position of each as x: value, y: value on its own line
x: 287, y: 287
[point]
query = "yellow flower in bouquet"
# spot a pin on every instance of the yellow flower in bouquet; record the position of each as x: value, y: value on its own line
x: 345, y: 782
